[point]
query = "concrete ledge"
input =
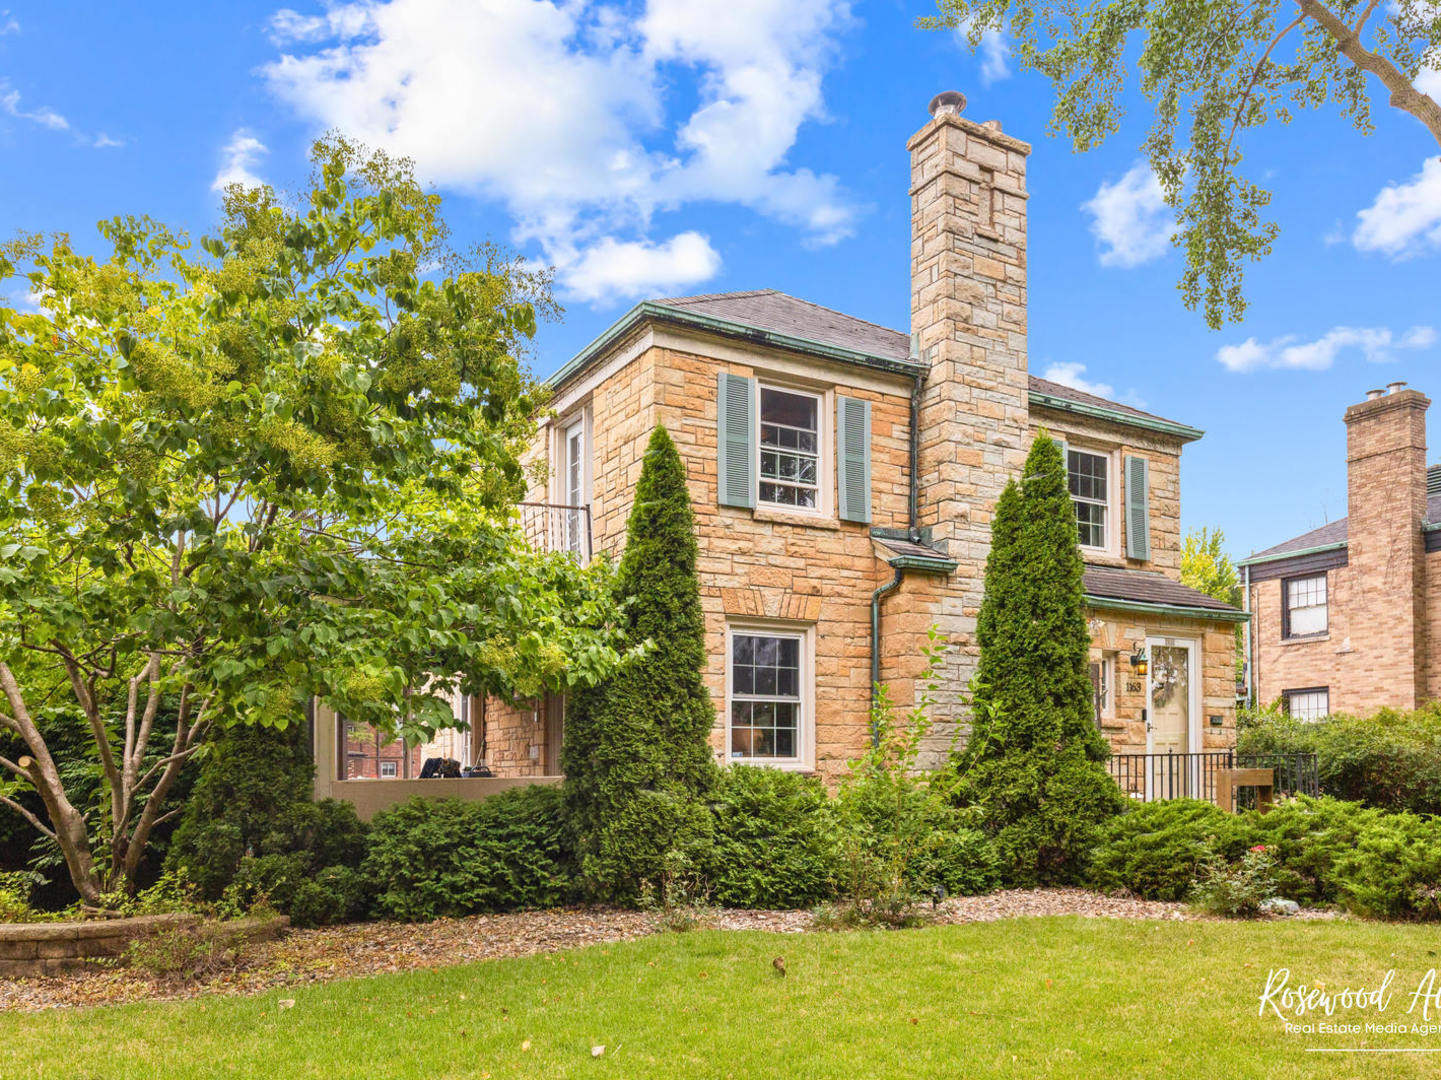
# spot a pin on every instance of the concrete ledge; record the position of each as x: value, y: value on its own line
x: 31, y: 949
x: 369, y: 797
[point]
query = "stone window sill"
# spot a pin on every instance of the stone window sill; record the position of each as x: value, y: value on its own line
x: 1306, y: 639
x: 785, y: 517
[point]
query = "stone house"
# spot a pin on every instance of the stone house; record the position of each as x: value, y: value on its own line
x: 843, y: 476
x: 1344, y: 616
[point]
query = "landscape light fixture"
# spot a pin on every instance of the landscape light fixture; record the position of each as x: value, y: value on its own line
x: 1138, y: 660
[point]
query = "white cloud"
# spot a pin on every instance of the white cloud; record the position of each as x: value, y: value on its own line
x: 103, y: 141
x: 1376, y: 344
x: 44, y: 115
x: 1072, y: 374
x: 610, y: 269
x: 1428, y: 81
x: 239, y: 158
x: 558, y: 108
x: 1405, y: 219
x: 1130, y: 218
x: 994, y: 50
x: 8, y: 23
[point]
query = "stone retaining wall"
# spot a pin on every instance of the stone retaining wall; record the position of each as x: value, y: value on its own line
x: 31, y: 949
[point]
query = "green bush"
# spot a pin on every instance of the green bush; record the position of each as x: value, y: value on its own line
x: 1391, y: 759
x: 1304, y: 837
x: 1392, y: 870
x: 1035, y: 763
x: 777, y: 842
x: 1236, y: 890
x: 1157, y: 850
x: 431, y: 858
x: 251, y: 781
x: 636, y: 756
x: 336, y: 894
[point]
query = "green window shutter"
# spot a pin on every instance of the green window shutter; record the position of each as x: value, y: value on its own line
x: 1138, y: 521
x: 853, y: 458
x: 735, y: 440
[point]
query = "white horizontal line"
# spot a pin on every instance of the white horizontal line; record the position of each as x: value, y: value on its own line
x: 1378, y: 1050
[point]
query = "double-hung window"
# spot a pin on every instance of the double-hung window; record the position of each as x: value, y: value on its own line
x: 790, y: 443
x: 1087, y: 477
x: 1303, y: 606
x: 767, y: 703
x: 1311, y: 704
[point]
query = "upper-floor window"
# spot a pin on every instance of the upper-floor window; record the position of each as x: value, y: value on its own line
x: 1087, y: 476
x: 790, y: 448
x: 1311, y: 704
x: 1303, y: 606
x: 573, y: 483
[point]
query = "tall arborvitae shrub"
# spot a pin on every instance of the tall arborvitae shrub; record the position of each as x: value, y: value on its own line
x: 1034, y: 763
x: 636, y: 757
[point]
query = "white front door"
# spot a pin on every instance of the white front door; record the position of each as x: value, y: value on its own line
x: 1172, y: 709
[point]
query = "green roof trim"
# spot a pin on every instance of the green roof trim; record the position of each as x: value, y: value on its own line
x: 1256, y: 560
x: 1110, y: 603
x: 939, y: 565
x: 1184, y: 432
x: 648, y: 309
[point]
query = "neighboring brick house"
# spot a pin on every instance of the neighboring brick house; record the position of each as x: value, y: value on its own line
x: 843, y: 477
x: 1345, y: 616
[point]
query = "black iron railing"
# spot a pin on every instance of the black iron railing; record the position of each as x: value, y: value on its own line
x: 1193, y: 775
x: 557, y: 527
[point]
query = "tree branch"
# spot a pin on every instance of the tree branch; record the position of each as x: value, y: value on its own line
x: 1404, y: 96
x: 28, y: 816
x: 1256, y: 71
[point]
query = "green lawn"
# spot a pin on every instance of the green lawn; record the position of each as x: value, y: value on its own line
x: 1026, y: 997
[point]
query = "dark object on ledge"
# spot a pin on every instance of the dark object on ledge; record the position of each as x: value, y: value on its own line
x: 440, y: 767
x: 478, y: 769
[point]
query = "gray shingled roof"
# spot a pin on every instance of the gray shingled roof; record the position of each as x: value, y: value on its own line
x: 1333, y: 532
x: 778, y: 312
x: 1148, y: 587
x: 909, y: 548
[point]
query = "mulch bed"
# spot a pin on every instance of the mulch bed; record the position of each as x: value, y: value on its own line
x: 309, y: 956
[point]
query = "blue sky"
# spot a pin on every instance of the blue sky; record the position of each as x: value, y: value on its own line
x: 680, y: 146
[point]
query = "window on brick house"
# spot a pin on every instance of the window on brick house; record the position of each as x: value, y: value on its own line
x: 790, y: 448
x: 1087, y: 476
x: 1311, y: 704
x: 1303, y: 606
x: 767, y: 682
x: 1103, y: 673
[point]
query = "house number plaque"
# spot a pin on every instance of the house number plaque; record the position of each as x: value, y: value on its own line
x: 1134, y: 686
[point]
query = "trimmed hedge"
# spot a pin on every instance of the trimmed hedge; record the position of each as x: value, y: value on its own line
x: 1390, y: 759
x: 777, y: 840
x: 431, y: 858
x: 1157, y: 850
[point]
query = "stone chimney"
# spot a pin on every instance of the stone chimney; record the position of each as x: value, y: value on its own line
x: 968, y: 322
x: 1386, y: 503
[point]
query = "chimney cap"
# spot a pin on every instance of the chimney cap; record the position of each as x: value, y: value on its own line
x: 948, y: 101
x: 1372, y: 395
x: 1395, y: 387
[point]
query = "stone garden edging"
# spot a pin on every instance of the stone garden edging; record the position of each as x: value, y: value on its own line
x: 31, y: 949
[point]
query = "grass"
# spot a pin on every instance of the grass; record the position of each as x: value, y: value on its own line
x: 1026, y: 997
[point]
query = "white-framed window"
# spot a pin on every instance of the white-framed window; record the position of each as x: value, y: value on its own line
x: 1088, y: 476
x: 1303, y: 606
x: 1310, y: 704
x: 388, y: 770
x: 790, y: 448
x: 769, y: 695
x: 573, y: 487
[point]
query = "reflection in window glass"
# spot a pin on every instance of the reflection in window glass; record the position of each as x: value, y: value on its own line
x: 790, y: 448
x: 765, y: 673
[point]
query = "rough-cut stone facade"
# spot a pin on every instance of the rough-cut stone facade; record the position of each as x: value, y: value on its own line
x: 1383, y: 587
x: 964, y: 371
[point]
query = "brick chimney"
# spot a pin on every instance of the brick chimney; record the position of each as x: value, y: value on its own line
x: 968, y: 321
x: 1386, y: 504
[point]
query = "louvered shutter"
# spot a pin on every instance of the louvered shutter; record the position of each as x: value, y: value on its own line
x: 1138, y: 521
x: 735, y: 440
x: 853, y: 458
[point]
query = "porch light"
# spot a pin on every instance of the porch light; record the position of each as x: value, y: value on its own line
x: 1138, y: 660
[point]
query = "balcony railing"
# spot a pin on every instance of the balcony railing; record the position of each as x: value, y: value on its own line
x: 557, y: 527
x: 1193, y: 775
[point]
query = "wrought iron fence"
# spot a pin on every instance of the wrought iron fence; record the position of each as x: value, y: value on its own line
x: 557, y: 527
x: 1193, y: 775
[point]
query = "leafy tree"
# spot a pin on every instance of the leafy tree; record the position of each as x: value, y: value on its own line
x: 636, y: 757
x: 1033, y: 763
x: 280, y: 469
x: 1205, y: 566
x: 1221, y: 68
